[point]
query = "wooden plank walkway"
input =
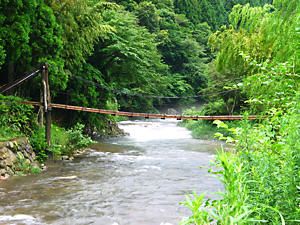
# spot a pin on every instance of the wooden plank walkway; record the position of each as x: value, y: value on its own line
x: 144, y: 115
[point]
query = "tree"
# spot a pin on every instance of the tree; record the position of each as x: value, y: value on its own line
x: 251, y: 48
x: 30, y: 35
x: 210, y: 11
x: 83, y: 26
x: 130, y: 61
x: 2, y: 55
x: 15, y: 30
x: 181, y: 51
x: 261, y: 45
x: 230, y: 4
x: 148, y: 16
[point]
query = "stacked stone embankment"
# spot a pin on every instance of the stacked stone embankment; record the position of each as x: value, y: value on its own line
x: 12, y: 154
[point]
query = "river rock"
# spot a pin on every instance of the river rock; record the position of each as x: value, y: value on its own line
x: 65, y: 157
x: 10, y: 171
x: 2, y: 172
x: 3, y: 153
x: 43, y: 167
x: 4, y: 177
x: 10, y: 145
x: 10, y: 151
x: 8, y: 158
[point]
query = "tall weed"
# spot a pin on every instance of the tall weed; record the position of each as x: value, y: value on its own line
x: 261, y: 177
x: 63, y: 142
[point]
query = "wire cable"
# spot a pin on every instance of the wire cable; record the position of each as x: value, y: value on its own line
x: 19, y: 81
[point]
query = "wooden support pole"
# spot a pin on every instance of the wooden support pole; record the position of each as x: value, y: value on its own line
x: 41, y: 109
x: 47, y: 103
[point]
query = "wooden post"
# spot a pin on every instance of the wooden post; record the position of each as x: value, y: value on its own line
x: 41, y: 108
x: 47, y: 103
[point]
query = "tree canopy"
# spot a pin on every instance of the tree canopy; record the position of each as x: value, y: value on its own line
x: 123, y: 54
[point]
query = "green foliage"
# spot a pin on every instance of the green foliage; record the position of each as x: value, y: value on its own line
x: 211, y: 11
x: 148, y: 16
x: 39, y: 145
x: 250, y: 50
x: 272, y: 87
x: 30, y: 36
x: 206, y: 129
x: 201, y: 129
x: 105, y: 44
x: 217, y: 107
x: 2, y: 54
x: 16, y: 119
x: 182, y: 44
x: 63, y: 142
x: 130, y: 62
x: 214, y: 12
x: 76, y: 139
x: 123, y: 54
x: 183, y: 49
x: 261, y: 175
x: 24, y: 167
x: 232, y: 209
x: 83, y: 26
x: 7, y: 133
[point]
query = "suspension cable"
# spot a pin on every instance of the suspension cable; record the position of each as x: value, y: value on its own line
x: 19, y: 81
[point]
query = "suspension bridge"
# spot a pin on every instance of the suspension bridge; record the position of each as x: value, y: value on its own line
x: 48, y: 105
x: 136, y: 114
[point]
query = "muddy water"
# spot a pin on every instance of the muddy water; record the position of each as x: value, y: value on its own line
x: 135, y: 180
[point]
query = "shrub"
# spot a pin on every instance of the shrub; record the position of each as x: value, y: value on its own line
x: 39, y: 145
x: 76, y: 139
x: 16, y: 119
x: 261, y: 177
x: 63, y: 142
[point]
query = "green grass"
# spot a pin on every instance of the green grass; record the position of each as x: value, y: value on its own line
x: 207, y: 129
x: 201, y: 129
x: 7, y: 133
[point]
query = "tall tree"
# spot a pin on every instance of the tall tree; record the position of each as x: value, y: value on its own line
x: 252, y: 45
x: 15, y: 30
x: 130, y: 61
x: 210, y: 11
x: 30, y: 35
x: 148, y: 16
x: 2, y: 55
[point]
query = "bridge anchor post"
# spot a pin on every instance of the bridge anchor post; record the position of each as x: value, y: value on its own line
x: 47, y: 104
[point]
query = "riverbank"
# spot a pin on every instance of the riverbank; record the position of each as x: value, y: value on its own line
x: 17, y: 158
x: 200, y: 129
x: 27, y: 155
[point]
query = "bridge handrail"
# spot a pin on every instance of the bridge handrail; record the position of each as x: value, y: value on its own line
x: 145, y: 115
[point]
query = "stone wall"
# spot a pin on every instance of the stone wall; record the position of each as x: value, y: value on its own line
x: 12, y: 154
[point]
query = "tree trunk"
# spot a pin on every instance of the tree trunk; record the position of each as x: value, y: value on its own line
x: 11, y: 72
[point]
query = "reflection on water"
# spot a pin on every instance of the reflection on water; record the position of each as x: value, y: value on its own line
x: 135, y: 180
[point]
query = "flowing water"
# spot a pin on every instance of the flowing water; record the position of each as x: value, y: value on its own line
x: 139, y: 179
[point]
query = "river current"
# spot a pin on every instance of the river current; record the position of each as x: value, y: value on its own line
x: 139, y: 179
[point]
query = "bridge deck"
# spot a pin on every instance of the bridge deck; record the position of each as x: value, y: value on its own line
x: 144, y: 115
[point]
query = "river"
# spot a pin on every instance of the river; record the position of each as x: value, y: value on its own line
x: 139, y: 179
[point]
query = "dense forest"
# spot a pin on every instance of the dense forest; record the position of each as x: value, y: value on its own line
x: 231, y: 57
x: 126, y: 55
